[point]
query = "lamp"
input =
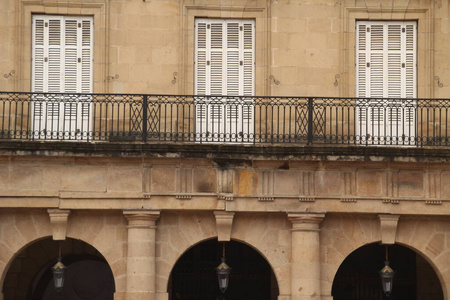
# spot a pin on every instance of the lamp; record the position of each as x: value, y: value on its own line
x: 59, y: 270
x: 387, y: 276
x: 223, y: 272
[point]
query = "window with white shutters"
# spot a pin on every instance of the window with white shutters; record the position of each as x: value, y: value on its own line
x: 62, y: 63
x: 224, y: 79
x: 386, y: 68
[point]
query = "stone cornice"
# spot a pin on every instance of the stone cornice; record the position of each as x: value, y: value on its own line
x: 226, y: 152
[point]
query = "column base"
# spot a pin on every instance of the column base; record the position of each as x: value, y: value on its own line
x: 140, y: 296
x: 300, y: 297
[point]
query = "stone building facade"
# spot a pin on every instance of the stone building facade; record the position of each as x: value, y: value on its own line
x: 141, y: 220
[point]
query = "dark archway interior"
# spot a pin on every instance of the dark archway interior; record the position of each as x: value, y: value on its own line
x: 88, y: 275
x: 194, y: 275
x: 358, y: 277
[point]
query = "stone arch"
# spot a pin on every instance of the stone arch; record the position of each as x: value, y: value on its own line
x: 29, y: 273
x: 171, y: 244
x: 342, y: 234
x: 107, y: 232
x: 432, y: 263
x: 271, y: 280
x: 358, y: 276
x: 263, y: 255
x: 427, y: 236
x: 270, y: 236
x: 20, y: 228
x: 251, y: 229
x: 237, y: 240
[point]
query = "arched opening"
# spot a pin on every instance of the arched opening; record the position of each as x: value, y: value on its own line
x: 194, y: 275
x: 358, y: 276
x: 88, y: 275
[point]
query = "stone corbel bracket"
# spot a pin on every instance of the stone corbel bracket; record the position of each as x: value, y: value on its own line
x: 224, y: 222
x: 388, y: 226
x: 58, y: 220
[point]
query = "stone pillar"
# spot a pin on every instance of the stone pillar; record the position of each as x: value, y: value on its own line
x: 141, y: 273
x: 305, y: 263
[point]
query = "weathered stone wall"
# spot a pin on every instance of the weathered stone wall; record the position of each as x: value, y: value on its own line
x: 308, y: 46
x: 203, y: 184
x: 268, y: 233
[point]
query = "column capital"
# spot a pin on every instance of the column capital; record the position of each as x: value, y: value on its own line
x: 141, y: 218
x: 305, y: 221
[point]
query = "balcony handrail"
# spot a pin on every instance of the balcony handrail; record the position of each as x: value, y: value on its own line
x: 413, y: 122
x: 222, y: 96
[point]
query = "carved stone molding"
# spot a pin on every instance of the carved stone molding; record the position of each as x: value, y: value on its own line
x: 225, y: 197
x: 433, y: 202
x: 266, y: 199
x: 348, y: 200
x: 391, y: 201
x: 307, y: 183
x: 224, y: 223
x: 388, y: 225
x: 58, y: 220
x: 268, y: 182
x: 305, y: 221
x: 302, y: 199
x: 225, y: 180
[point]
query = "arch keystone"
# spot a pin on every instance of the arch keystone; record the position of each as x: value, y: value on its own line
x: 388, y: 226
x: 58, y: 220
x: 224, y: 222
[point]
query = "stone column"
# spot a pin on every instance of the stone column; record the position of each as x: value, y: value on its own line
x: 141, y: 274
x: 305, y: 263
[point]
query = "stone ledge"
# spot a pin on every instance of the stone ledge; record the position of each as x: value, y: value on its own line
x: 223, y: 151
x: 208, y: 202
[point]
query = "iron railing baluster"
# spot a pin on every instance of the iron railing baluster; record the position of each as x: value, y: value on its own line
x: 310, y: 133
x: 237, y: 119
x: 144, y: 117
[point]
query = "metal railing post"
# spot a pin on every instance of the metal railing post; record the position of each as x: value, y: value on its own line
x: 310, y: 134
x: 144, y: 117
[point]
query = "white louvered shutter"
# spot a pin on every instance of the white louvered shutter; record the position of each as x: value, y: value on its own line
x: 248, y: 80
x: 386, y: 68
x: 224, y: 66
x: 234, y: 80
x: 62, y: 63
x: 39, y: 74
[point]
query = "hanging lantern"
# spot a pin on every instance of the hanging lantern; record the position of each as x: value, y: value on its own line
x: 59, y: 270
x: 387, y: 276
x: 223, y: 273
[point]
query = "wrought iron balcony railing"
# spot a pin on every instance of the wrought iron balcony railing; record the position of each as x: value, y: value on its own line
x: 224, y: 119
